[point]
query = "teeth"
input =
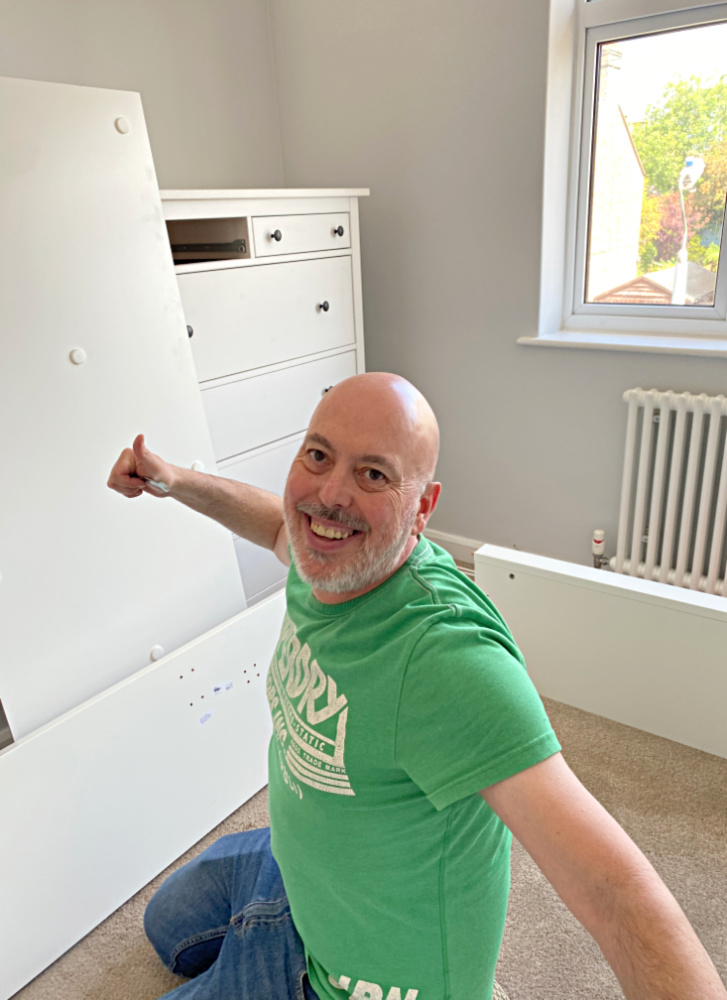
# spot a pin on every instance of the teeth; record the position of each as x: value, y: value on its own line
x: 318, y: 529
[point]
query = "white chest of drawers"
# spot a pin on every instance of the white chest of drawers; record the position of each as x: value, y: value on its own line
x: 271, y: 291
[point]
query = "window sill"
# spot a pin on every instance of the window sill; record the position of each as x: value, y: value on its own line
x: 704, y: 347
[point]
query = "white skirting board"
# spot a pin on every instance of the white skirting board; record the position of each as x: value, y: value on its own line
x: 99, y: 801
x: 460, y: 548
x: 645, y: 654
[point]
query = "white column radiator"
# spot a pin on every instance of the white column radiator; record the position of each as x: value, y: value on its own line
x: 674, y: 490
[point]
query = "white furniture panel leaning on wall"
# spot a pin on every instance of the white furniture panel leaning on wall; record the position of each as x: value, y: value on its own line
x: 132, y: 664
x: 271, y: 289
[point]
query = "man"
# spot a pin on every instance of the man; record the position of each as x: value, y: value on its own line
x: 408, y: 742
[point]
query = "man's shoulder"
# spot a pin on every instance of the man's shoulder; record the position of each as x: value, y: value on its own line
x: 434, y: 570
x: 460, y: 613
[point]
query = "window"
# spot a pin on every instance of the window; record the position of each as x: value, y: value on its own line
x: 636, y: 176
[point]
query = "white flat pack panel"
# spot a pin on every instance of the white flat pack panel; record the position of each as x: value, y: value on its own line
x: 642, y: 653
x: 245, y: 414
x: 93, y: 350
x: 268, y: 469
x: 247, y: 317
x: 99, y: 801
x: 281, y: 234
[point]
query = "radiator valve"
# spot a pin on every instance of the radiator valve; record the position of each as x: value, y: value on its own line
x: 597, y: 547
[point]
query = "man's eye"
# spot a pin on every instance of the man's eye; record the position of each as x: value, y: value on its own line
x: 374, y: 475
x: 317, y: 455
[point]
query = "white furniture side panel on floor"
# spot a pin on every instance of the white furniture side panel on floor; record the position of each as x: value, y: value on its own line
x: 98, y: 802
x: 645, y: 654
x: 93, y: 350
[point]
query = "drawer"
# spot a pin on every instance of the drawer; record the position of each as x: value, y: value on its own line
x: 245, y: 414
x: 267, y: 469
x: 260, y: 569
x: 281, y: 234
x: 248, y: 317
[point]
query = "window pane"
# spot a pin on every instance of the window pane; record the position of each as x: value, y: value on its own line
x: 659, y: 179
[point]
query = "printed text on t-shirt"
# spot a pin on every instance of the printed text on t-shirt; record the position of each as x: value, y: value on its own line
x: 309, y: 718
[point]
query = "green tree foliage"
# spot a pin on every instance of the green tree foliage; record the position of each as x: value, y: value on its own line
x: 689, y: 119
x: 709, y: 196
x: 650, y: 225
x: 707, y: 256
x: 671, y: 231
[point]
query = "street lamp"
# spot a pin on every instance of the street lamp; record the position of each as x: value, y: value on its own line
x: 688, y: 176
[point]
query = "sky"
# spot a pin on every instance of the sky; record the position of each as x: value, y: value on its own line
x: 650, y: 62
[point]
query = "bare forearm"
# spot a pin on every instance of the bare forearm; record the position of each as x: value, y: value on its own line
x: 653, y: 949
x: 249, y: 512
x: 607, y: 883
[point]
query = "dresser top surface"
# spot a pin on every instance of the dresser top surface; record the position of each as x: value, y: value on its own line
x: 192, y: 194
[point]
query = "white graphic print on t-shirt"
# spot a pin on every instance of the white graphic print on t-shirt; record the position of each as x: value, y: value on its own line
x: 295, y: 684
x: 370, y: 991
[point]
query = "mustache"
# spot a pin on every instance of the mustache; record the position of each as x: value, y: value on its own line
x: 331, y: 514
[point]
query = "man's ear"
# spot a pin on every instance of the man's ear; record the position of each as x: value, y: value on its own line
x: 427, y: 503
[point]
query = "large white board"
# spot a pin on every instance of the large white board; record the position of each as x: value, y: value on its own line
x: 90, y: 582
x: 99, y: 801
x: 642, y: 653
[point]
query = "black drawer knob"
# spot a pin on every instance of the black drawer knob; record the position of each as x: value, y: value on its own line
x: 277, y: 236
x: 324, y: 306
x: 190, y: 331
x: 338, y: 231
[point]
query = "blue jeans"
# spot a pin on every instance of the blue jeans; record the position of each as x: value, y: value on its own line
x: 223, y: 920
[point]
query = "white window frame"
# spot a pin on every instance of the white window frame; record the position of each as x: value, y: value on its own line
x: 576, y: 29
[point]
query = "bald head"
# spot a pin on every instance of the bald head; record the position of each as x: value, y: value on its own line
x: 393, y: 409
x: 361, y: 489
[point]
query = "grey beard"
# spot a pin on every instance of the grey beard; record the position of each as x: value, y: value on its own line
x: 373, y: 566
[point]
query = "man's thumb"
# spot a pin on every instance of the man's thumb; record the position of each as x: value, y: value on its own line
x: 139, y: 447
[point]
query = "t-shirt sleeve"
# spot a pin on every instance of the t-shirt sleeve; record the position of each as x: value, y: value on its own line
x: 469, y: 715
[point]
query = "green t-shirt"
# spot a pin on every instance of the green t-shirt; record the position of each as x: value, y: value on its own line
x: 390, y: 713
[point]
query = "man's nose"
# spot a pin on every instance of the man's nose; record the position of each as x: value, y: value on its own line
x: 336, y: 490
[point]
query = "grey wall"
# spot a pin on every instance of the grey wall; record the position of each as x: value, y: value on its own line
x: 203, y: 67
x: 439, y: 109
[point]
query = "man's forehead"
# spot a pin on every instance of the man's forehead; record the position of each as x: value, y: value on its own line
x: 381, y: 415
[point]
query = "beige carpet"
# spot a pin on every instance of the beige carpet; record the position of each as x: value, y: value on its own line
x: 671, y: 799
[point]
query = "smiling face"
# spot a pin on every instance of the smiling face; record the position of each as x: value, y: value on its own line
x: 359, y: 490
